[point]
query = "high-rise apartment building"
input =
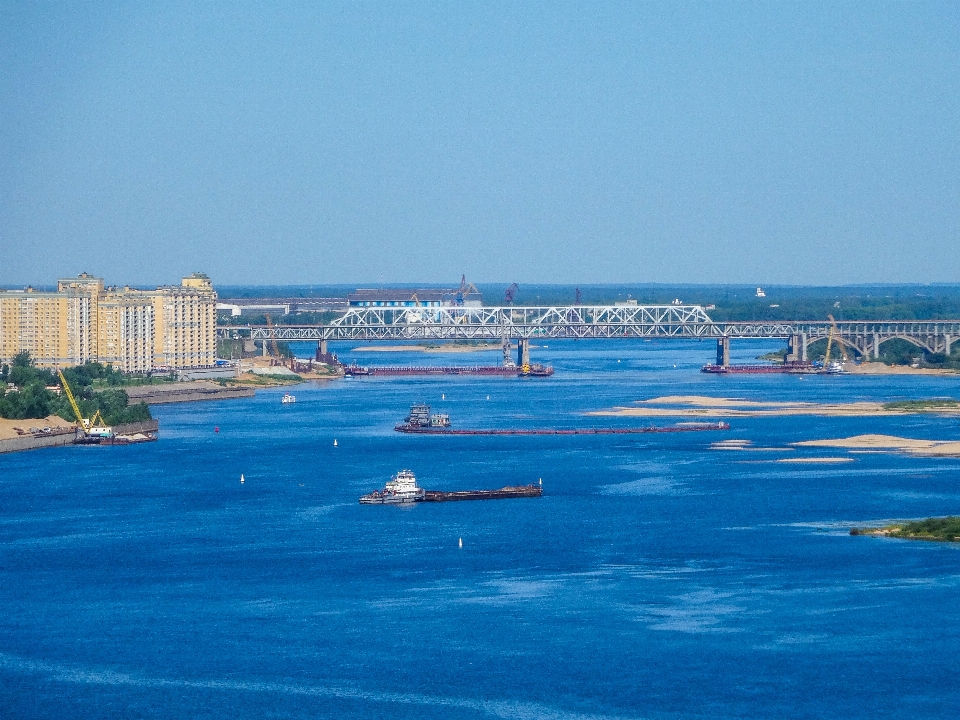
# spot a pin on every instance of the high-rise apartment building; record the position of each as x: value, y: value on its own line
x: 137, y: 331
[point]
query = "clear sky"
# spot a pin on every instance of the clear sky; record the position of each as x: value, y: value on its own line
x: 323, y: 142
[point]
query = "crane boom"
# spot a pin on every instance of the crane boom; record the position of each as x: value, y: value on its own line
x: 834, y: 332
x: 73, y: 401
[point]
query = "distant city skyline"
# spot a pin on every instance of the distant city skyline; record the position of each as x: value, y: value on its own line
x: 370, y: 144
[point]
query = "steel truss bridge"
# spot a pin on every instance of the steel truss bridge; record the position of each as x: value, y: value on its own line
x: 603, y: 321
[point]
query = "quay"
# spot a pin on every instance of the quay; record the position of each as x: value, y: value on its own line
x: 61, y: 435
x: 186, y: 392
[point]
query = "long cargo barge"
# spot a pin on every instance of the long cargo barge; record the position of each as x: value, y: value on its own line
x: 789, y: 368
x: 414, y: 370
x: 402, y: 489
x: 503, y: 493
x: 680, y: 427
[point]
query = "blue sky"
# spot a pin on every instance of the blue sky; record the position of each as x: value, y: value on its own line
x: 412, y: 142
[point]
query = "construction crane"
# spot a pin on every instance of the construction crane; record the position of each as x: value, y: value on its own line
x: 508, y: 295
x: 85, y: 425
x: 273, y: 338
x: 577, y: 300
x: 830, y: 335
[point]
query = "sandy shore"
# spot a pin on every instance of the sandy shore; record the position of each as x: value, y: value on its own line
x: 878, y: 368
x: 700, y: 406
x: 7, y: 430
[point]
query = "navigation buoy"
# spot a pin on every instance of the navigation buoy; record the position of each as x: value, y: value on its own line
x: 216, y: 429
x: 241, y: 478
x: 443, y: 396
x: 334, y: 442
x: 618, y: 361
x: 488, y: 397
x: 541, y: 482
x: 461, y: 542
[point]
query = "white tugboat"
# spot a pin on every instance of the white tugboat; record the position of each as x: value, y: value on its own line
x: 400, y: 490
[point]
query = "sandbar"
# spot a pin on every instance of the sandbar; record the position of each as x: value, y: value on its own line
x: 701, y: 406
x: 821, y: 460
x: 925, y: 448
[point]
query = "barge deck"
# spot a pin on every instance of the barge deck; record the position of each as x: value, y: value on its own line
x: 680, y: 427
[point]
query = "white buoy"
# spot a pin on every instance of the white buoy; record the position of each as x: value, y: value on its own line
x: 541, y: 482
x: 488, y: 397
x: 443, y: 396
x: 461, y: 542
x: 241, y: 478
x: 334, y: 442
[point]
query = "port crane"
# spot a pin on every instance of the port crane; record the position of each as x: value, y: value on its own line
x: 464, y: 290
x: 509, y: 294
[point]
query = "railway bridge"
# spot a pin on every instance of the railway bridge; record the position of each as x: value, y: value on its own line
x: 863, y: 337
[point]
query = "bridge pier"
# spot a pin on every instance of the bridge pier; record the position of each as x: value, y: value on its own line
x: 876, y: 346
x: 264, y: 343
x: 523, y: 352
x: 947, y: 343
x: 797, y: 348
x: 323, y: 352
x: 723, y: 351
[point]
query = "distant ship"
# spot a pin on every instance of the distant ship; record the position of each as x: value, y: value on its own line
x: 400, y: 490
x: 288, y: 398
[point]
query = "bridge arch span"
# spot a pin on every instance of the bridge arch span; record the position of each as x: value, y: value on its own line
x: 910, y: 339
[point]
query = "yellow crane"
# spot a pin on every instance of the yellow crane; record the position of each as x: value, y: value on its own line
x: 830, y: 335
x: 85, y: 425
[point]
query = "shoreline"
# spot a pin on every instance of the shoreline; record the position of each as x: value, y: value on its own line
x: 193, y: 391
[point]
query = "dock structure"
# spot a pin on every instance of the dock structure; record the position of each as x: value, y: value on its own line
x: 863, y: 337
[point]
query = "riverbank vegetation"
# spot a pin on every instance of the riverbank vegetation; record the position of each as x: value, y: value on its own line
x: 942, y: 529
x: 36, y: 393
x: 916, y: 406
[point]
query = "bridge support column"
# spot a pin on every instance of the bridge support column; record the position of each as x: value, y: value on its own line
x: 796, y: 348
x: 723, y: 351
x: 321, y: 350
x: 876, y: 346
x: 947, y: 343
x: 264, y: 341
x: 523, y: 352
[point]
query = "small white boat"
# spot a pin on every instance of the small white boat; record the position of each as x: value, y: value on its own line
x: 288, y: 398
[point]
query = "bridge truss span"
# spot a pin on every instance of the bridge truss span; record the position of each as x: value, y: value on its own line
x: 605, y: 321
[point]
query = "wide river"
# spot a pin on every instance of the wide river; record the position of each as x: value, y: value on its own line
x: 655, y: 578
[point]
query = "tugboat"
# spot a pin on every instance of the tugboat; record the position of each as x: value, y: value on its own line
x: 400, y: 490
x: 420, y: 417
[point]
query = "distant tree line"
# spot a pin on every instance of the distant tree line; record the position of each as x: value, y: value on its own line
x: 30, y: 398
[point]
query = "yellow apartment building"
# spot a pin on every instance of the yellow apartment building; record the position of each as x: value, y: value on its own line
x: 137, y: 331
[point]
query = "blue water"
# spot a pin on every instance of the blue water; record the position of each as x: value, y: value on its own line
x: 656, y: 577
